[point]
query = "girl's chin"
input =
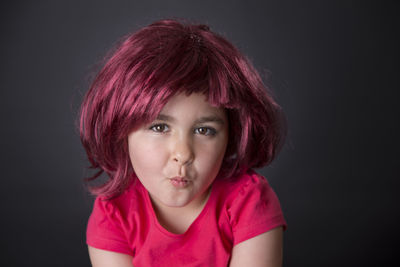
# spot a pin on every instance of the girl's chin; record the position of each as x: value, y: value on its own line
x: 185, y: 200
x: 171, y: 201
x: 181, y: 203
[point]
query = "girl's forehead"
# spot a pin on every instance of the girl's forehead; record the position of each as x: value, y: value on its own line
x: 181, y: 98
x: 195, y: 102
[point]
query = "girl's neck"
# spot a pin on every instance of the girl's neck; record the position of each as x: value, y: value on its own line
x: 177, y: 220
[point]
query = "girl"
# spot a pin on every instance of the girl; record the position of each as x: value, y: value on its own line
x: 177, y: 119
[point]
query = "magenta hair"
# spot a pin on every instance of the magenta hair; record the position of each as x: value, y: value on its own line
x: 152, y: 65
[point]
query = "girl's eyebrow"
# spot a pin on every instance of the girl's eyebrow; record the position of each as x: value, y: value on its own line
x: 212, y: 118
x: 162, y: 117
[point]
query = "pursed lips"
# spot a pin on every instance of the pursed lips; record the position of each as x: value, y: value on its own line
x: 179, y: 179
x: 179, y: 182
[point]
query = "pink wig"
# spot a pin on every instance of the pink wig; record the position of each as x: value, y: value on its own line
x: 157, y: 62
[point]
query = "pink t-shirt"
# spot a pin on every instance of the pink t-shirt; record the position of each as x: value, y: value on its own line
x: 237, y: 210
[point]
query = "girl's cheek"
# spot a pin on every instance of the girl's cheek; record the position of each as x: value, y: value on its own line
x: 211, y: 151
x: 145, y: 151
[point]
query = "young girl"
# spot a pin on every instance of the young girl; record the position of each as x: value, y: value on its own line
x: 177, y: 119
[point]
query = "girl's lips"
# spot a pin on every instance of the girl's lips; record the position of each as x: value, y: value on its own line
x: 179, y: 182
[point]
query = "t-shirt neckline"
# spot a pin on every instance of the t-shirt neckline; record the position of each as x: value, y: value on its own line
x: 192, y: 226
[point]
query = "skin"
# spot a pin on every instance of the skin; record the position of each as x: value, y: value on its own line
x: 264, y: 250
x: 186, y: 142
x: 176, y: 158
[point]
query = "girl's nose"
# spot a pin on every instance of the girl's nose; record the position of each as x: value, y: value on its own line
x: 183, y: 152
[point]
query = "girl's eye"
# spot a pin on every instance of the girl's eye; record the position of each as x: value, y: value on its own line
x: 159, y: 128
x: 205, y: 131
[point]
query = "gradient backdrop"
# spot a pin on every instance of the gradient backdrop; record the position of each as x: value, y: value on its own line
x: 333, y: 65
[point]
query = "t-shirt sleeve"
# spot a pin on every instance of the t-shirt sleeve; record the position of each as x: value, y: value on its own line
x: 255, y: 209
x: 105, y: 229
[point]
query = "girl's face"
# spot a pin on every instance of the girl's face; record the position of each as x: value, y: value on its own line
x: 177, y: 156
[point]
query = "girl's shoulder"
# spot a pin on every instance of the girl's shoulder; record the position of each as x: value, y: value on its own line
x: 249, y: 205
x: 245, y: 183
x: 249, y: 191
x: 112, y: 219
x: 123, y: 203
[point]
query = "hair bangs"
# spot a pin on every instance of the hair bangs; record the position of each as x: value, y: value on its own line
x: 167, y: 73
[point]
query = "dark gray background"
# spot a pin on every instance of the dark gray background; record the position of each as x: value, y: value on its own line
x: 333, y: 66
